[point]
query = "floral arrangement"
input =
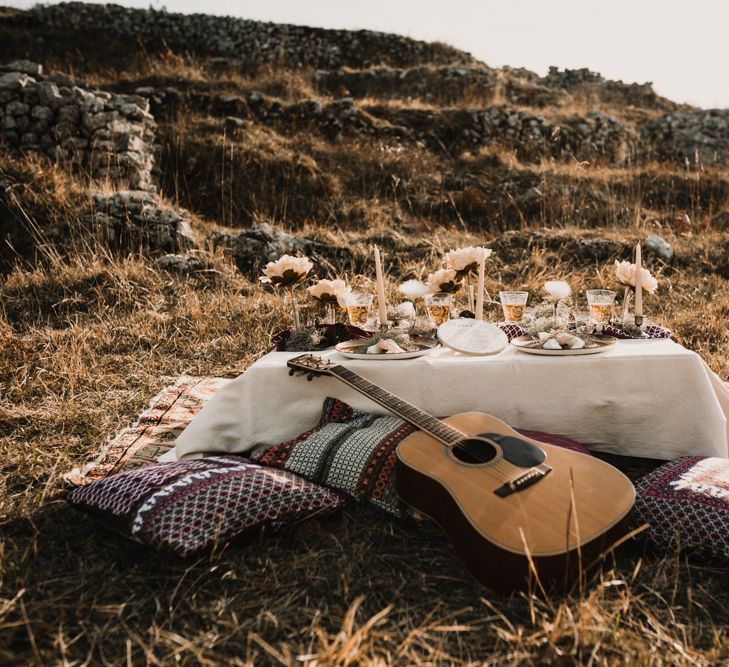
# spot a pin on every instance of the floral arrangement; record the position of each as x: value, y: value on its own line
x: 625, y: 272
x: 286, y: 271
x: 554, y: 320
x: 330, y: 292
x: 413, y: 290
x: 465, y: 261
x: 557, y: 290
x: 444, y: 280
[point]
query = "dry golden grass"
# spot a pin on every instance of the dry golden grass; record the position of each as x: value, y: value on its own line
x: 88, y: 336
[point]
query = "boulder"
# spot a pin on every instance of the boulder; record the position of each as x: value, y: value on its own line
x: 187, y: 263
x: 658, y: 248
x: 24, y: 67
x: 253, y: 248
x: 134, y: 218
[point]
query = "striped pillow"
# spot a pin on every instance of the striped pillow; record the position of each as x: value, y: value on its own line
x: 355, y: 452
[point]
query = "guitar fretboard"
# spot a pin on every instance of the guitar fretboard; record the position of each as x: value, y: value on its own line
x: 414, y: 416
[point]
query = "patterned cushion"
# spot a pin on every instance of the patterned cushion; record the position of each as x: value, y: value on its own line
x: 355, y: 452
x: 187, y: 506
x: 686, y: 502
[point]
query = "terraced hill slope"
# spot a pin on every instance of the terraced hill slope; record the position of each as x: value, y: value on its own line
x: 293, y: 124
x: 151, y: 162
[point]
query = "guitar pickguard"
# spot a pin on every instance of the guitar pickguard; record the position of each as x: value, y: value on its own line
x: 516, y: 451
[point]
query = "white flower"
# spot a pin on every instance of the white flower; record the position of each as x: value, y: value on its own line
x: 286, y: 271
x: 413, y: 289
x: 444, y: 280
x: 557, y: 289
x: 330, y: 291
x: 466, y: 260
x: 625, y: 272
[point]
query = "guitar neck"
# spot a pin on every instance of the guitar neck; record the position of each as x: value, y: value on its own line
x: 412, y: 415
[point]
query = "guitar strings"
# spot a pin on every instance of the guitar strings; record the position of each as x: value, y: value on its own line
x: 499, y: 465
x: 457, y: 445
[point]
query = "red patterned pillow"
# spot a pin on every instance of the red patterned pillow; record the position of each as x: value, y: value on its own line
x: 686, y: 502
x: 355, y: 452
x: 188, y: 506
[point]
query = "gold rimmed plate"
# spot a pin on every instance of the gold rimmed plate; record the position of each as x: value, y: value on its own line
x: 357, y: 349
x: 594, y: 344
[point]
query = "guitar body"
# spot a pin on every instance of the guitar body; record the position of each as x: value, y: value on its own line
x: 514, y: 508
x: 562, y: 522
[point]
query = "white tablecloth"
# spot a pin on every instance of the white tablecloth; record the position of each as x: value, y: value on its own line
x: 651, y: 399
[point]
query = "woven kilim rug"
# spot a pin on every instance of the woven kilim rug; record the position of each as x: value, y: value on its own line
x: 154, y: 432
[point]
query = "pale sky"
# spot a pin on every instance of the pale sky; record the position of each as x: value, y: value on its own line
x: 681, y: 46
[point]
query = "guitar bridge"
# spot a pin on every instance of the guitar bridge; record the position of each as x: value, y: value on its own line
x: 531, y: 476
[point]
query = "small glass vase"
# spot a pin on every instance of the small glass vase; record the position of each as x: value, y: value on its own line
x: 626, y: 304
x: 295, y: 309
x: 327, y: 313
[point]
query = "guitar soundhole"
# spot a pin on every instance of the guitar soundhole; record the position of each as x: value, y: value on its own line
x: 473, y: 450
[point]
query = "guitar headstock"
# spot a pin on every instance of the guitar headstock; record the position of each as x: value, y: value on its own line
x: 310, y: 365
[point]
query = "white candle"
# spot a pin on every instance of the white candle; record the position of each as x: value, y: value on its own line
x: 381, y: 303
x: 480, y: 288
x: 638, y: 281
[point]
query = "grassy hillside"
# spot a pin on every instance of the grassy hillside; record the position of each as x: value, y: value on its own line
x: 348, y: 140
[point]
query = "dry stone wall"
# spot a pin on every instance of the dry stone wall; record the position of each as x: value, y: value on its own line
x: 107, y: 135
x: 699, y: 134
x: 244, y: 41
x: 136, y: 219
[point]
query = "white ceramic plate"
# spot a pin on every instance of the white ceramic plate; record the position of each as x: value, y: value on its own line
x: 599, y: 343
x: 471, y: 336
x: 357, y: 349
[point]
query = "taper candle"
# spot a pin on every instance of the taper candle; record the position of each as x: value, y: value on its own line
x: 638, y: 282
x: 480, y: 287
x: 381, y: 303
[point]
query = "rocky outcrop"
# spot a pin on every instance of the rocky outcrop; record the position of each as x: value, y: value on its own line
x: 245, y: 42
x: 593, y: 85
x: 186, y: 263
x: 446, y: 84
x: 262, y: 243
x: 701, y: 135
x: 451, y: 84
x: 109, y: 136
x: 593, y: 136
x: 596, y: 136
x: 658, y: 247
x: 134, y: 219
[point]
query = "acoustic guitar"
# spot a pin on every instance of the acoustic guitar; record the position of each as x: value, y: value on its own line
x: 520, y: 513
